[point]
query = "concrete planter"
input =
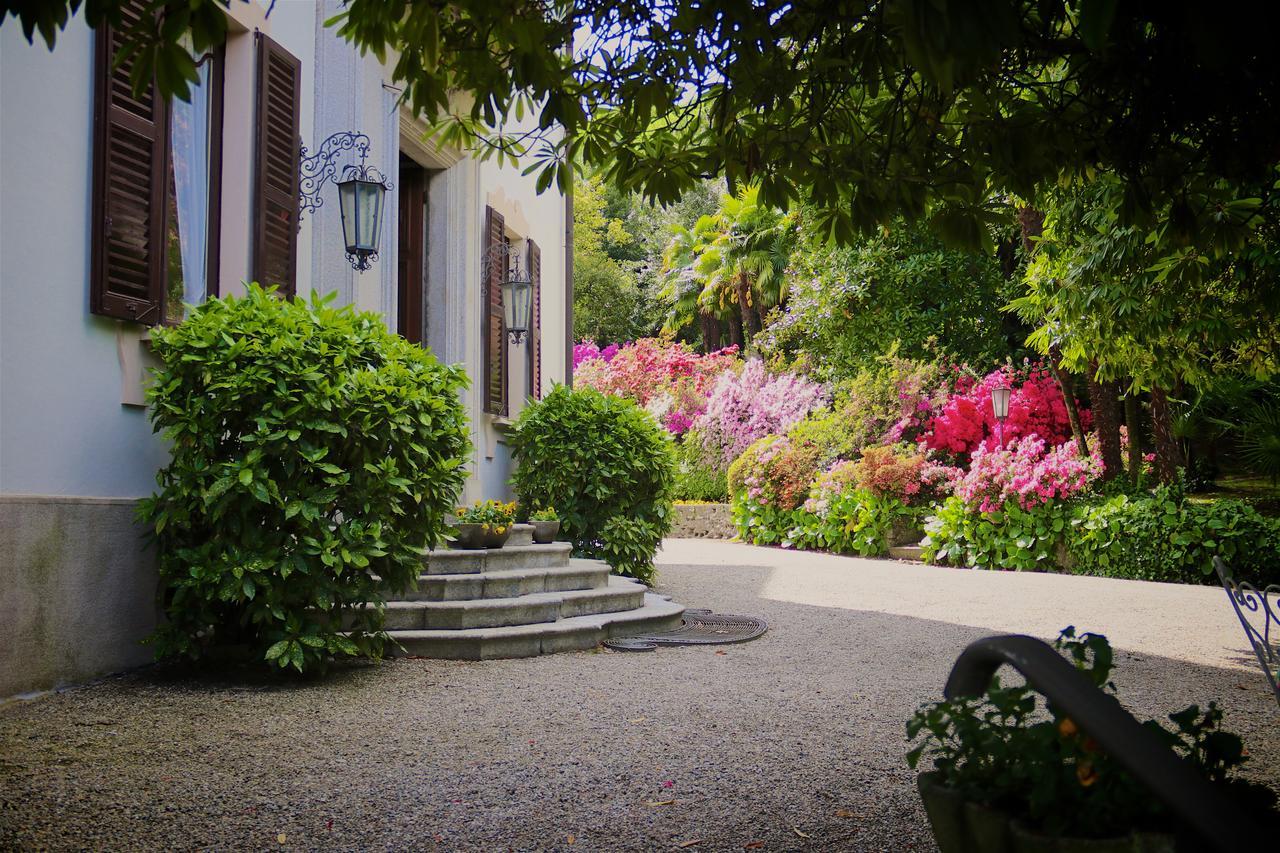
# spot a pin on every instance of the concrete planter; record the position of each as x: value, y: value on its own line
x: 960, y: 826
x: 473, y: 537
x: 544, y: 532
x: 905, y: 532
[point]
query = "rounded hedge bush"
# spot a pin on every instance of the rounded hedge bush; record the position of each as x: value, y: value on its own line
x: 314, y: 456
x: 607, y: 468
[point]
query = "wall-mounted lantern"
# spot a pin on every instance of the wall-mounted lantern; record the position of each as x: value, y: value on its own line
x: 517, y: 301
x: 361, y: 191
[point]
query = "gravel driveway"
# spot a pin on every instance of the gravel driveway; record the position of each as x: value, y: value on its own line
x: 791, y: 742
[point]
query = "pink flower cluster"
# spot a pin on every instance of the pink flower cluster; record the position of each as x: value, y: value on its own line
x: 669, y: 379
x: 1026, y: 471
x: 589, y: 351
x: 749, y: 405
x: 649, y: 367
x: 967, y: 420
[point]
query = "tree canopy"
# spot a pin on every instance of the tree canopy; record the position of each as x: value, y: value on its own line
x: 866, y: 111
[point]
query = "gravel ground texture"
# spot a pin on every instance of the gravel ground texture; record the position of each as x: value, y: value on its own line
x: 793, y: 741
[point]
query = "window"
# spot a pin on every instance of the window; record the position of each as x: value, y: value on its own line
x: 192, y: 221
x: 156, y: 181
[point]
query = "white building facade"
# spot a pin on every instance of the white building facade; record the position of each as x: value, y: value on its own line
x: 116, y: 210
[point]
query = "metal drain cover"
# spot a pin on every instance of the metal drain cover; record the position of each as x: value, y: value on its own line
x: 699, y: 628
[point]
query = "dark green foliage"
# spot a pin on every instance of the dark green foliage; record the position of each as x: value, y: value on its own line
x: 607, y: 468
x: 1164, y: 536
x: 1008, y: 751
x: 901, y: 290
x: 315, y: 455
x: 868, y: 111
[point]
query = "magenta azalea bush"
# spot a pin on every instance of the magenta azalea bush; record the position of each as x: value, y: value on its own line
x: 745, y: 407
x: 967, y: 421
x: 1027, y: 472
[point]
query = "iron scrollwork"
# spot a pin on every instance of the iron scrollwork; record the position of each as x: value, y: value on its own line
x: 319, y: 168
x: 1253, y: 605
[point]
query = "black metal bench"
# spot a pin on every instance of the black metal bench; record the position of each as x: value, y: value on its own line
x: 1259, y: 614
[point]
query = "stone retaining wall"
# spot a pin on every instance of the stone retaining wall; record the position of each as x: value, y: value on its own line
x: 703, y: 521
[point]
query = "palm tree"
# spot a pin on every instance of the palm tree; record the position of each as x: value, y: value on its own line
x: 730, y: 268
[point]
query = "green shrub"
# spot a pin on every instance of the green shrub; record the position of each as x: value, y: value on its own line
x: 1013, y: 538
x: 1164, y: 536
x: 314, y: 457
x: 697, y: 478
x: 853, y: 521
x: 607, y: 468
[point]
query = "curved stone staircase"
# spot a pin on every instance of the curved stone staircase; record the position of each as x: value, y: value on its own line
x: 519, y: 601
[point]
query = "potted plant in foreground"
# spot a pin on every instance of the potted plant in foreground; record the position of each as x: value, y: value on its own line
x: 546, y: 524
x: 1011, y: 775
x: 485, y: 524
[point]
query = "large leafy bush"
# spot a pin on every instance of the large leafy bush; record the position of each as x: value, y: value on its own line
x: 315, y: 455
x: 1164, y: 536
x: 1012, y: 537
x: 607, y: 468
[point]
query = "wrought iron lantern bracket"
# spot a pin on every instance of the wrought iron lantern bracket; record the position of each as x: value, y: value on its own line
x: 321, y: 167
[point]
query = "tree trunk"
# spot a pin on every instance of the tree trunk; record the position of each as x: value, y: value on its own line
x: 1069, y: 399
x: 735, y: 332
x: 1168, y: 453
x: 750, y: 311
x: 1106, y: 422
x: 1132, y: 420
x: 710, y: 333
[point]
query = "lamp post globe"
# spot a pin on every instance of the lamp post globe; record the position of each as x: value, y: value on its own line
x: 1000, y: 408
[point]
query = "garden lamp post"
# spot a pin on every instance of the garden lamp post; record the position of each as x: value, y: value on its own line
x: 517, y: 301
x: 1000, y: 406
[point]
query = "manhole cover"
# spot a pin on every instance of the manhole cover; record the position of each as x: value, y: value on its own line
x: 699, y: 628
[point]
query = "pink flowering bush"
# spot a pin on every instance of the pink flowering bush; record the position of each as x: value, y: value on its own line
x: 1027, y: 472
x: 744, y: 407
x: 668, y: 379
x: 588, y: 350
x: 767, y: 484
x: 967, y: 421
x: 890, y: 471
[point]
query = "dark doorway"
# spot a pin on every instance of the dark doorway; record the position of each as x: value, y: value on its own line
x: 411, y: 320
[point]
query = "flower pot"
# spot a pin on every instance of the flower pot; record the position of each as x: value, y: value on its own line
x: 966, y: 827
x: 494, y: 539
x: 470, y: 537
x: 545, y: 532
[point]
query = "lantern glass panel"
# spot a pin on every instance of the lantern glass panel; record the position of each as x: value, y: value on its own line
x: 1000, y: 401
x: 516, y: 298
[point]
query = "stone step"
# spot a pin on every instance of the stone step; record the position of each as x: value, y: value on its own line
x: 521, y: 641
x: 508, y: 583
x: 907, y: 552
x: 618, y: 594
x: 449, y: 561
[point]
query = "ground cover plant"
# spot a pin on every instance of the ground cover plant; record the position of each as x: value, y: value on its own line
x: 315, y: 456
x: 607, y: 468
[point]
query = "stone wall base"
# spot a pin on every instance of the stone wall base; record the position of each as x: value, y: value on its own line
x: 703, y: 521
x: 77, y: 590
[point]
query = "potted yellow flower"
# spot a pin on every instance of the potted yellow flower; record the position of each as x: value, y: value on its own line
x: 485, y: 524
x: 546, y: 524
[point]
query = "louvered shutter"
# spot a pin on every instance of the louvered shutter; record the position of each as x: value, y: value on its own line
x: 535, y: 323
x: 495, y: 353
x: 277, y: 154
x: 130, y: 167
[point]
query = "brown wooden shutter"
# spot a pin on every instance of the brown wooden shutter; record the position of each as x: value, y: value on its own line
x: 277, y: 155
x: 495, y: 351
x: 535, y: 323
x: 130, y: 167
